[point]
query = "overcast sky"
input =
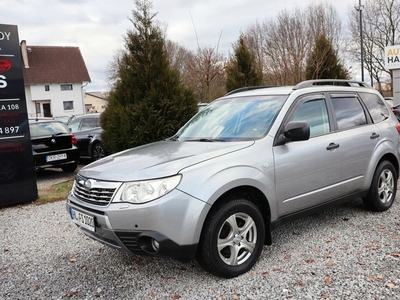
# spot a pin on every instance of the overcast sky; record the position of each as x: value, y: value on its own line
x: 98, y: 27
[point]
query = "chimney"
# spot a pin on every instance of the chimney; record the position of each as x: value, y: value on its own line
x: 24, y: 52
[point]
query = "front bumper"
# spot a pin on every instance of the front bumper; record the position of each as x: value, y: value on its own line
x: 173, y: 221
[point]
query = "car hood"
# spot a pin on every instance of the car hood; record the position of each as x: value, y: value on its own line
x: 160, y: 159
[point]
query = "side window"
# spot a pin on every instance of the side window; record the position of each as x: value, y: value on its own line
x: 377, y: 109
x: 348, y: 111
x: 88, y: 123
x: 314, y: 112
x: 74, y: 125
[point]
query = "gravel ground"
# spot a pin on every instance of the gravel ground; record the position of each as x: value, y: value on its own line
x: 342, y: 253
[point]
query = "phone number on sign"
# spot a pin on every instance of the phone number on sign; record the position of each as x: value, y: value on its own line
x: 9, y: 130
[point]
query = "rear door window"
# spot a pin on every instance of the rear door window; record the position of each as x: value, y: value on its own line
x: 348, y: 111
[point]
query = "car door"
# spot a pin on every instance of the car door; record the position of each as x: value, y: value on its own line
x: 85, y: 134
x: 358, y: 138
x: 307, y: 171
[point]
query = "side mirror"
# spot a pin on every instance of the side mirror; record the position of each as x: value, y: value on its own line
x: 297, y: 131
x: 294, y: 131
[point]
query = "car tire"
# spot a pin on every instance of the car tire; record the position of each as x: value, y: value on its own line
x: 98, y: 151
x: 383, y: 188
x: 232, y: 238
x: 69, y: 168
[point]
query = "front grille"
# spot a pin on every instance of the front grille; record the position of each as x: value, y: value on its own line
x: 93, y: 191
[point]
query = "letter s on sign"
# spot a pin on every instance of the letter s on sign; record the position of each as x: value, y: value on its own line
x: 3, y: 83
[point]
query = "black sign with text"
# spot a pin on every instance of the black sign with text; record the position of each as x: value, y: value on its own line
x: 17, y: 172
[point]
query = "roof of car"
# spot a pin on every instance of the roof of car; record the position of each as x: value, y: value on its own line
x: 312, y: 85
x: 42, y: 120
x: 94, y: 115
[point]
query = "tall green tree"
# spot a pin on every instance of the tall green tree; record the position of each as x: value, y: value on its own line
x: 242, y: 69
x: 147, y: 101
x: 323, y: 62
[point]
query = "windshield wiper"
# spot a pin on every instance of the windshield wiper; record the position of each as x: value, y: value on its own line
x: 206, y: 140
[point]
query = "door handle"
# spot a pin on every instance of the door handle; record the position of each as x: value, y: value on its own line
x: 332, y: 146
x: 374, y: 136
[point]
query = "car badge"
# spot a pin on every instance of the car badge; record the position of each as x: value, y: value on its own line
x: 88, y: 184
x: 53, y: 141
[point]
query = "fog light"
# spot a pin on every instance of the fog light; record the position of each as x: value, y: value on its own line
x: 155, y: 245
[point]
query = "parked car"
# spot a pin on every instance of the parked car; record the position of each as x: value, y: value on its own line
x: 246, y: 164
x: 63, y: 119
x: 87, y: 131
x: 53, y: 146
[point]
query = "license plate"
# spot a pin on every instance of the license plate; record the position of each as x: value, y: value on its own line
x: 82, y: 219
x: 56, y: 157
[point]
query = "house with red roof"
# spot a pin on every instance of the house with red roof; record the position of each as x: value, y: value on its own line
x: 54, y: 79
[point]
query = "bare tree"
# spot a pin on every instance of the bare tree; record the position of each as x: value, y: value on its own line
x: 282, y: 46
x: 207, y: 72
x: 180, y: 59
x: 381, y: 24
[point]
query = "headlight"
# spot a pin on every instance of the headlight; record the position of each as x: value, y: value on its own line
x: 144, y: 191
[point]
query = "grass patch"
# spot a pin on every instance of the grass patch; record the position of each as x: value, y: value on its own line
x: 56, y: 192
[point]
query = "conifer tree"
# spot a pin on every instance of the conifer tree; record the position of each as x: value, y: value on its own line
x: 323, y: 62
x: 148, y: 101
x: 242, y: 69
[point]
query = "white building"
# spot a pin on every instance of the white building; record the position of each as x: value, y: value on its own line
x: 54, y: 78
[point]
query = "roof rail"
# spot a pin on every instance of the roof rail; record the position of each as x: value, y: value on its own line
x: 341, y: 82
x: 248, y: 88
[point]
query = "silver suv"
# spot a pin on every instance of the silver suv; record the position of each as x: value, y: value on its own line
x: 249, y: 162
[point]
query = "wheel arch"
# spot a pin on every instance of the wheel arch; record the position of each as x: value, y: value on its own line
x: 255, y: 196
x: 390, y: 157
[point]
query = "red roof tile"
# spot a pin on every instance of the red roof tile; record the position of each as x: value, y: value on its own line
x: 51, y: 64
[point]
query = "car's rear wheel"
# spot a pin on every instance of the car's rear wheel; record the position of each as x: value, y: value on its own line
x: 98, y: 151
x: 232, y: 238
x: 383, y: 188
x: 69, y: 168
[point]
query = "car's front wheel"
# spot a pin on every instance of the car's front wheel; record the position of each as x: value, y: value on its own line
x: 383, y: 188
x: 232, y: 238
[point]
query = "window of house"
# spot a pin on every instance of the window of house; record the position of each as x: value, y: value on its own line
x: 68, y: 105
x: 46, y: 87
x: 66, y: 87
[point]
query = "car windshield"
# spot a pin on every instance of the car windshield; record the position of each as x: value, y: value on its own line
x: 242, y: 118
x: 47, y: 128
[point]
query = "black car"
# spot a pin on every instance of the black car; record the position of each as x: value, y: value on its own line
x: 53, y: 146
x: 87, y: 131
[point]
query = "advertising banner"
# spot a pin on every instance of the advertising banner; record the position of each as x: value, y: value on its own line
x: 392, y: 57
x: 17, y: 172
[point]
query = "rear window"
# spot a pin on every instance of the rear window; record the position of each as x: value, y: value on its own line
x: 47, y: 128
x: 377, y: 109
